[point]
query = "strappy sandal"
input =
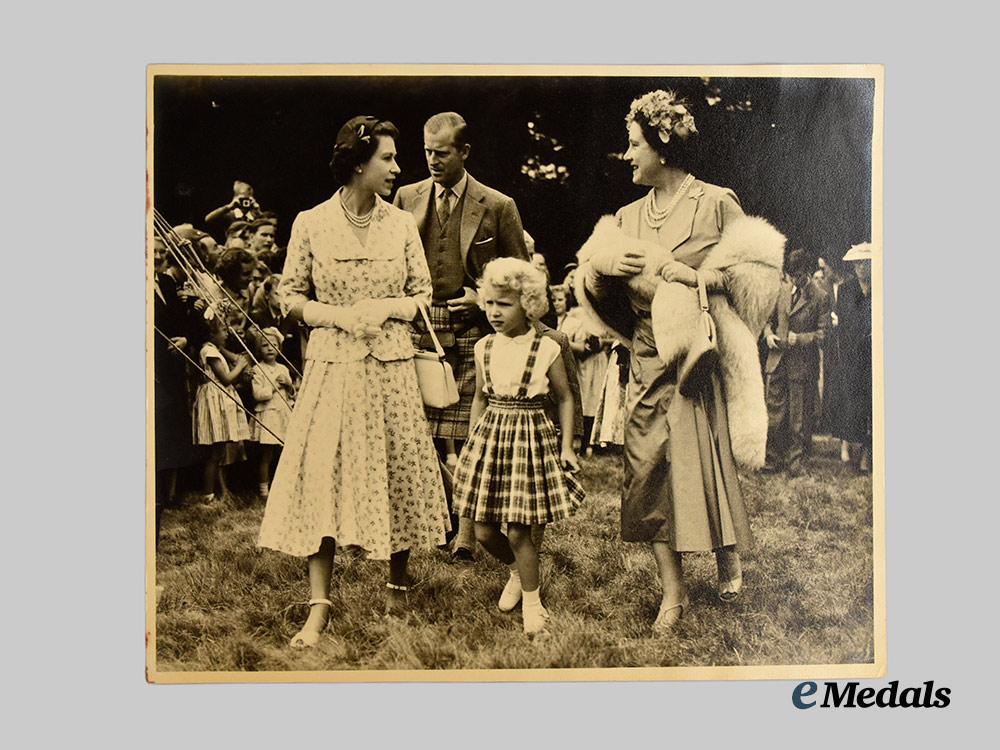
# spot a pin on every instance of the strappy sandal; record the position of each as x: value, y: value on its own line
x: 309, y: 638
x: 669, y: 616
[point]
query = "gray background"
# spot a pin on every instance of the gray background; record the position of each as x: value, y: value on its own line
x: 74, y: 551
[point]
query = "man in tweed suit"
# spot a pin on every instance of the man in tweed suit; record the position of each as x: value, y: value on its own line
x: 463, y: 225
x: 793, y: 335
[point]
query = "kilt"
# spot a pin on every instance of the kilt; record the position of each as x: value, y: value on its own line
x: 509, y: 469
x: 453, y: 422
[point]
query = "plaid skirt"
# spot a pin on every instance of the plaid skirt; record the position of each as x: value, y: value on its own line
x: 453, y: 422
x: 509, y: 469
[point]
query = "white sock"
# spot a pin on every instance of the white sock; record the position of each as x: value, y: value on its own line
x: 513, y: 570
x: 531, y: 598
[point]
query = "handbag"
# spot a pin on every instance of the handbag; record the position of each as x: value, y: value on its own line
x: 703, y: 352
x: 434, y: 376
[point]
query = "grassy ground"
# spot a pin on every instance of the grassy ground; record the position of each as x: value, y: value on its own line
x: 224, y: 605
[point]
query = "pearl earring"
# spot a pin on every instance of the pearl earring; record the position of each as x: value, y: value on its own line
x: 663, y: 161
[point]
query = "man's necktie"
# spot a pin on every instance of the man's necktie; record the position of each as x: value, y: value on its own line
x: 445, y: 210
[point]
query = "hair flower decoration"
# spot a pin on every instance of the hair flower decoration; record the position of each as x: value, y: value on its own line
x: 361, y: 134
x: 666, y: 113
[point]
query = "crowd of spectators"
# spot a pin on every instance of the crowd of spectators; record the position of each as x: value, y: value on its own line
x: 227, y: 362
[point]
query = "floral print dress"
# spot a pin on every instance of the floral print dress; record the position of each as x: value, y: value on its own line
x: 358, y: 464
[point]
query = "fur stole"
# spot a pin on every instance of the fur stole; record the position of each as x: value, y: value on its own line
x: 749, y: 253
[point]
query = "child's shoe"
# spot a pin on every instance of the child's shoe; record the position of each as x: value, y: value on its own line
x: 536, y: 619
x: 511, y: 593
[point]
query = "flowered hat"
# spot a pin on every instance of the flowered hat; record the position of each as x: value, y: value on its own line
x: 666, y: 113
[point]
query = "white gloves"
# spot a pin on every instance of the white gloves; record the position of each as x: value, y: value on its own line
x: 612, y: 263
x: 364, y: 318
x: 322, y: 315
x: 674, y: 270
x: 377, y: 311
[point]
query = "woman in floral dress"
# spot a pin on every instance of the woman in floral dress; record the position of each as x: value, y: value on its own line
x: 358, y: 466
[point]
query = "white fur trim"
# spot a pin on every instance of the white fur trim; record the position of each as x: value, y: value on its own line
x: 747, y: 239
x: 675, y: 313
x: 750, y: 252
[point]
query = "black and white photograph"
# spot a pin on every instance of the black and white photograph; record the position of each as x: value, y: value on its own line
x: 514, y: 373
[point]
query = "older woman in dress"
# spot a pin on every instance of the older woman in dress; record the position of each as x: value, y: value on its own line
x: 852, y: 320
x: 358, y: 466
x: 681, y: 491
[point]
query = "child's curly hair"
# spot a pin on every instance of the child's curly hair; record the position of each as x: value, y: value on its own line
x: 270, y: 334
x: 511, y: 274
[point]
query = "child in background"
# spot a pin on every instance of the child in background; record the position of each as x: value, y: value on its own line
x: 265, y: 310
x: 218, y: 419
x: 609, y: 420
x: 513, y: 469
x: 273, y: 392
x: 591, y: 352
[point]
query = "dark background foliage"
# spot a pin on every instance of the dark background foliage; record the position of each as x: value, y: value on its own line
x: 795, y: 150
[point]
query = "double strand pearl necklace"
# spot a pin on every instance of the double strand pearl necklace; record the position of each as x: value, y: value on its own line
x: 362, y: 221
x: 654, y: 215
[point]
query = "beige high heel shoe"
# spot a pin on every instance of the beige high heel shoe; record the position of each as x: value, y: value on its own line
x: 730, y: 588
x: 669, y: 615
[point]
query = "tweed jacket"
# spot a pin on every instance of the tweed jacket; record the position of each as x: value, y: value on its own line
x: 490, y: 228
x: 326, y: 263
x: 808, y: 319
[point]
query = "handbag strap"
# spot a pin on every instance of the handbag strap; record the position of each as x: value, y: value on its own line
x: 702, y: 292
x: 430, y: 329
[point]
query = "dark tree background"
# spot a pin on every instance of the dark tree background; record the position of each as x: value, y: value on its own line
x: 796, y: 150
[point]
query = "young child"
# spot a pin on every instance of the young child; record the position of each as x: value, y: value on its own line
x: 512, y: 468
x: 272, y: 407
x: 218, y: 420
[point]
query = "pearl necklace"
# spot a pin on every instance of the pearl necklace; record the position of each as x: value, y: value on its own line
x: 361, y: 222
x: 654, y: 216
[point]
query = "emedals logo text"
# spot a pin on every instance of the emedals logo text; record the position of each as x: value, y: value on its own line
x: 852, y: 695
